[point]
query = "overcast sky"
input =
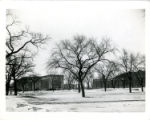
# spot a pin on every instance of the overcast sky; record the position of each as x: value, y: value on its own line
x: 125, y: 27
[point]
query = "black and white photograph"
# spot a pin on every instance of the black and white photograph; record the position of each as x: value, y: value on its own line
x: 74, y: 60
x: 78, y: 58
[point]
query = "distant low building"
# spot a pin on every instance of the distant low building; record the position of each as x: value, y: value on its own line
x: 121, y: 81
x: 48, y: 82
x: 97, y: 83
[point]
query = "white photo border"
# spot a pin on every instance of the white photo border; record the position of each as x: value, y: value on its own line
x: 72, y: 115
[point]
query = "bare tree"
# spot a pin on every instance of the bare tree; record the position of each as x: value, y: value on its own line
x: 139, y: 68
x: 107, y: 71
x: 18, y: 42
x: 79, y: 56
x: 19, y: 66
x: 127, y: 64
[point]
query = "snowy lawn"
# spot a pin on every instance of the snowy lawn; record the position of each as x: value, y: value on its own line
x: 96, y: 100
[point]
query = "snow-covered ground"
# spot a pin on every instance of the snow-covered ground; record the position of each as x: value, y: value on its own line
x: 96, y: 100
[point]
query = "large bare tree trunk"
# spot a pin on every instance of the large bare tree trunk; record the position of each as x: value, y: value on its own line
x: 142, y: 89
x: 142, y: 86
x: 8, y: 84
x: 15, y: 86
x: 105, y: 85
x: 130, y: 82
x: 7, y: 88
x: 79, y: 88
x: 105, y: 82
x: 82, y: 88
x: 130, y: 87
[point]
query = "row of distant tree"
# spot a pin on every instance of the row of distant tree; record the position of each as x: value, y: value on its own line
x: 79, y: 58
